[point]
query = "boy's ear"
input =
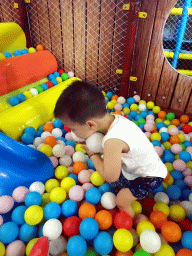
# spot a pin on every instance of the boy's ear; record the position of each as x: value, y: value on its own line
x: 91, y: 124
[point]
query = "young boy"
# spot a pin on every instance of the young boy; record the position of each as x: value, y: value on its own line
x: 130, y: 163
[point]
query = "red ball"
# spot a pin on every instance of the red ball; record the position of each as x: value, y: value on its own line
x: 147, y: 205
x: 66, y: 128
x: 71, y: 226
x: 114, y: 212
x: 123, y: 220
x: 185, y: 225
x: 186, y: 128
x: 49, y: 83
x: 60, y: 71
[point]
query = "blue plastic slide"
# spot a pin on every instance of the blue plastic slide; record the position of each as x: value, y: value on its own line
x: 21, y: 165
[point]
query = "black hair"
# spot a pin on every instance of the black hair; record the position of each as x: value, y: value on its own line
x: 79, y: 102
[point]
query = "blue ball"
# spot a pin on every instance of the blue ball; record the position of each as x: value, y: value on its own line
x: 52, y: 211
x: 71, y: 143
x: 144, y: 113
x: 69, y: 208
x: 105, y: 187
x: 8, y: 232
x: 89, y: 228
x: 103, y: 243
x: 137, y: 117
x: 156, y: 143
x: 7, y: 54
x: 186, y: 240
x: 33, y: 198
x: 38, y: 134
x: 30, y: 130
x: 130, y: 100
x: 179, y: 128
x: 164, y: 136
x: 91, y: 165
x: 44, y: 86
x: 13, y: 101
x: 54, y: 81
x: 109, y: 95
x: 106, y: 101
x: 160, y: 125
x: 24, y: 51
x: 185, y: 156
x: 58, y: 124
x: 180, y: 184
x: 93, y: 195
x: 61, y: 138
x: 27, y: 232
x: 17, y: 53
x: 21, y: 97
x: 169, y: 158
x: 150, y: 112
x: 108, y: 110
x: 18, y: 215
x: 75, y: 177
x: 51, y: 77
x: 56, y: 74
x: 173, y: 192
x: 133, y: 113
x: 187, y: 143
x: 142, y: 126
x: 40, y: 231
x: 125, y: 105
x: 185, y: 194
x: 27, y: 138
x: 40, y: 129
x: 177, y: 175
x: 159, y: 189
x: 177, y: 246
x: 190, y: 217
x: 76, y: 246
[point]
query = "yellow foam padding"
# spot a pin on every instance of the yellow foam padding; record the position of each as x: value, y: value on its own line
x: 184, y: 56
x: 12, y: 37
x: 34, y: 112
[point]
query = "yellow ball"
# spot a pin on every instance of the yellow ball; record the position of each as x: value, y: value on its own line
x: 59, y: 79
x: 170, y: 126
x: 33, y: 215
x: 126, y: 110
x: 47, y: 150
x: 169, y: 166
x: 114, y: 102
x: 53, y: 119
x: 181, y: 137
x: 167, y: 145
x: 177, y: 212
x: 104, y: 93
x: 136, y: 207
x: 2, y: 249
x: 139, y: 248
x: 176, y: 157
x: 156, y: 109
x: 2, y: 56
x: 61, y: 172
x: 190, y: 123
x: 45, y: 199
x: 134, y: 107
x: 31, y: 50
x: 51, y: 184
x: 169, y: 181
x: 68, y: 183
x: 112, y: 113
x: 164, y: 185
x: 158, y: 120
x: 167, y: 122
x: 163, y: 207
x: 142, y: 102
x: 143, y: 225
x: 79, y: 148
x: 106, y: 98
x: 30, y: 245
x: 150, y: 105
x: 97, y: 179
x: 58, y: 195
x: 123, y: 240
x: 28, y: 94
x: 110, y: 105
x: 165, y: 250
x: 155, y: 136
x: 189, y: 164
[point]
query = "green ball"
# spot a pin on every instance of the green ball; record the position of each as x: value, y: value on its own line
x: 141, y: 120
x: 170, y: 116
x: 39, y: 88
x: 183, y: 146
x: 64, y: 76
x: 136, y: 122
x: 91, y: 252
x: 141, y: 253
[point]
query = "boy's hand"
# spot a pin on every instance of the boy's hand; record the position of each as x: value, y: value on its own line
x: 89, y: 152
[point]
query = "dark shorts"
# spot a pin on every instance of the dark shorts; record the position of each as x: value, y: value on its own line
x: 140, y: 187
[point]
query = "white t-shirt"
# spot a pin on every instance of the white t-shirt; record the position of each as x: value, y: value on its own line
x: 142, y: 160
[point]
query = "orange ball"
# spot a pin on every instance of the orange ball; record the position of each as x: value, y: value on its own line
x: 175, y: 122
x: 167, y: 177
x: 162, y: 114
x: 154, y: 129
x: 114, y: 97
x: 174, y: 139
x: 79, y: 166
x: 117, y: 112
x: 40, y: 47
x: 51, y: 141
x: 64, y: 254
x: 184, y: 119
x: 104, y: 219
x: 184, y: 252
x: 129, y: 253
x: 48, y: 127
x: 157, y: 218
x: 87, y: 210
x: 171, y: 231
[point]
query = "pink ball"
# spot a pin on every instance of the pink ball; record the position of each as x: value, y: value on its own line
x: 137, y: 98
x: 173, y: 131
x: 150, y: 117
x: 87, y: 186
x: 1, y: 220
x: 6, y: 204
x: 189, y: 149
x: 150, y: 121
x: 20, y: 193
x: 118, y: 107
x: 179, y: 165
x: 70, y: 169
x: 16, y: 248
x: 181, y: 132
x: 148, y: 134
x: 190, y: 135
x: 84, y: 176
x: 159, y: 150
x: 91, y: 171
x: 176, y: 148
x: 187, y: 172
x: 76, y: 193
x: 54, y: 161
x: 188, y: 180
x: 148, y: 127
x: 69, y: 150
x: 68, y: 136
x: 139, y: 218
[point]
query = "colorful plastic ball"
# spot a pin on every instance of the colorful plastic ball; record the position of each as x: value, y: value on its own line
x: 69, y: 208
x: 20, y: 193
x: 93, y: 196
x: 58, y: 124
x: 46, y: 149
x: 108, y: 200
x: 148, y: 244
x: 31, y: 50
x: 7, y: 54
x: 150, y: 105
x: 15, y: 248
x: 67, y: 183
x: 89, y: 228
x: 65, y: 160
x: 37, y: 186
x: 64, y: 76
x: 170, y: 116
x: 76, y: 193
x: 139, y: 218
x: 165, y: 250
x: 171, y: 231
x: 70, y: 74
x: 185, y: 156
x: 27, y: 94
x: 186, y: 240
x: 160, y: 206
x: 50, y: 84
x: 87, y: 210
x: 143, y: 225
x: 21, y: 97
x: 147, y: 205
x: 40, y: 47
x: 1, y: 220
x: 6, y: 204
x: 54, y: 82
x: 84, y: 176
x: 24, y: 51
x: 177, y: 213
x: 186, y: 128
x: 17, y: 215
x: 58, y: 246
x: 103, y: 243
x: 173, y: 192
x: 141, y: 253
x: 33, y: 198
x: 27, y: 232
x: 71, y: 226
x: 49, y: 231
x: 104, y: 219
x: 123, y: 240
x: 123, y: 220
x: 33, y: 215
x: 61, y: 172
x: 184, y: 252
x: 136, y: 207
x: 157, y: 218
x: 76, y: 246
x: 187, y: 206
x: 97, y: 179
x: 51, y: 77
x: 52, y: 211
x: 13, y: 101
x: 105, y: 188
x: 51, y: 184
x: 6, y: 236
x: 58, y: 195
x: 2, y: 56
x: 161, y: 197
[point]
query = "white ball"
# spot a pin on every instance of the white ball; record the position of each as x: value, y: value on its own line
x: 37, y: 186
x: 137, y: 98
x: 57, y: 246
x: 38, y: 141
x: 142, y: 107
x: 187, y: 137
x: 161, y: 197
x: 108, y: 200
x: 61, y: 142
x: 190, y: 197
x: 121, y: 100
x: 86, y: 158
x: 150, y: 241
x: 38, y: 147
x: 52, y: 229
x: 187, y: 205
x: 57, y: 133
x: 79, y: 156
x: 163, y: 129
x: 94, y: 142
x: 70, y: 74
x: 65, y: 160
x: 31, y: 146
x: 33, y: 91
x: 58, y: 150
x: 75, y: 138
x: 44, y: 135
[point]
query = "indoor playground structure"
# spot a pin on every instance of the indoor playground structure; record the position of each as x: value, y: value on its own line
x: 53, y: 202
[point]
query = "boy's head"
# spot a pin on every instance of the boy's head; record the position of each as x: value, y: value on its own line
x: 79, y: 107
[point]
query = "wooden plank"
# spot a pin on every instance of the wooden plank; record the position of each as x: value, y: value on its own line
x: 189, y: 106
x: 156, y: 55
x: 79, y: 37
x: 7, y: 11
x: 166, y: 86
x: 92, y: 40
x: 16, y: 13
x: 67, y: 31
x: 106, y: 42
x: 1, y: 14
